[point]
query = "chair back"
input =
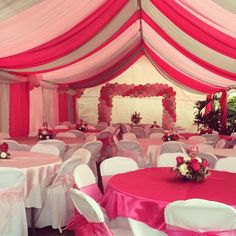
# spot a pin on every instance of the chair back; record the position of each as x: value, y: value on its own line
x: 78, y: 133
x: 197, y: 139
x: 138, y: 131
x: 169, y: 159
x: 104, y: 134
x: 200, y: 215
x: 211, y: 158
x: 47, y: 149
x: 156, y: 135
x: 226, y: 164
x: 13, y: 217
x: 129, y: 136
x: 60, y: 127
x: 173, y: 146
x: 90, y: 138
x: 55, y: 142
x: 83, y: 154
x: 233, y: 141
x: 12, y: 145
x: 205, y: 148
x: 222, y: 143
x: 157, y: 130
x: 211, y: 139
x: 66, y: 135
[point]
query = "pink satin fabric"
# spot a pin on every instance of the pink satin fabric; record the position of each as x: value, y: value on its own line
x: 93, y: 191
x: 177, y: 231
x: 143, y: 195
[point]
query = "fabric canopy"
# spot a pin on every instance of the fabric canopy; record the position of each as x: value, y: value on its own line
x: 76, y: 44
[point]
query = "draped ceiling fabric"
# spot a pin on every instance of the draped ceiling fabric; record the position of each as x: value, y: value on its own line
x: 78, y: 44
x: 75, y: 44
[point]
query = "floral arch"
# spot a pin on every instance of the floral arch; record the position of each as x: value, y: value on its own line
x: 108, y: 91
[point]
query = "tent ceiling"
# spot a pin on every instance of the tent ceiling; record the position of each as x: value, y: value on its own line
x: 79, y: 44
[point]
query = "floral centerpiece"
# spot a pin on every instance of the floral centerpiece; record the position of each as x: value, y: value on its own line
x: 170, y: 136
x: 4, y: 154
x: 45, y: 132
x: 205, y: 130
x: 81, y: 125
x: 136, y: 118
x: 192, y: 168
x: 155, y: 125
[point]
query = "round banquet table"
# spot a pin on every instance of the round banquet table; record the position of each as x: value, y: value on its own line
x: 39, y: 169
x: 225, y: 152
x: 143, y: 194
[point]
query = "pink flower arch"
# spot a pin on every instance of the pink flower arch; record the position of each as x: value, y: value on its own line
x: 108, y: 91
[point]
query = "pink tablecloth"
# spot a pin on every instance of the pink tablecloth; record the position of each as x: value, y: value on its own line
x: 143, y: 195
x: 39, y: 170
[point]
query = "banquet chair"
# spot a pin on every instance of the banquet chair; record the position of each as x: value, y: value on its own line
x: 13, y: 216
x: 95, y: 148
x: 78, y: 133
x: 4, y: 135
x: 226, y: 164
x: 66, y: 135
x: 57, y: 206
x: 48, y: 149
x: 129, y: 136
x: 85, y: 181
x: 202, y: 216
x: 67, y: 123
x: 100, y: 126
x: 60, y: 127
x: 138, y: 131
x: 233, y: 141
x: 169, y: 159
x: 104, y: 134
x: 173, y: 146
x: 132, y: 149
x: 90, y: 138
x: 83, y: 154
x: 157, y: 130
x: 55, y: 142
x: 116, y: 165
x: 211, y: 139
x: 92, y: 212
x: 205, y: 148
x: 13, y: 145
x: 222, y: 143
x: 211, y: 158
x: 127, y: 128
x: 156, y: 135
x: 197, y: 139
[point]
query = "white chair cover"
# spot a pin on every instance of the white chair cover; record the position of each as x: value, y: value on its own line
x: 233, y: 141
x: 78, y: 133
x: 156, y: 135
x: 55, y: 142
x: 200, y: 216
x: 205, y: 148
x: 169, y: 159
x: 156, y: 130
x: 66, y: 134
x: 197, y: 139
x: 132, y: 149
x: 90, y: 138
x: 222, y: 143
x: 13, y: 216
x: 173, y: 146
x: 95, y: 149
x: 13, y: 145
x: 60, y: 127
x: 129, y: 136
x: 89, y: 208
x: 138, y: 131
x: 67, y: 124
x: 211, y: 158
x: 211, y: 139
x: 226, y: 164
x: 127, y: 127
x: 42, y: 148
x: 83, y: 154
x: 58, y: 207
x: 104, y: 134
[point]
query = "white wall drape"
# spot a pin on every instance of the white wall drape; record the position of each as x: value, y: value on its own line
x: 36, y: 109
x: 4, y: 107
x: 50, y: 106
x: 141, y: 72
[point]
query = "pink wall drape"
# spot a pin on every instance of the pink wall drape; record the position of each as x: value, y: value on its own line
x: 63, y: 107
x: 19, y: 109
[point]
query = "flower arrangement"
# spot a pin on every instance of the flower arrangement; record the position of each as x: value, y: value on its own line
x: 4, y: 154
x: 45, y: 132
x: 205, y: 130
x: 155, y: 125
x: 170, y: 136
x: 195, y: 168
x: 81, y: 125
x: 136, y: 118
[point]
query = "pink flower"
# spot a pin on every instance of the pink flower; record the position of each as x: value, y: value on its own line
x: 4, y: 147
x: 205, y: 163
x: 180, y: 160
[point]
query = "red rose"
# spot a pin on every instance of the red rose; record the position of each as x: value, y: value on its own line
x: 180, y: 160
x: 195, y: 165
x: 4, y: 147
x: 175, y: 137
x: 205, y: 163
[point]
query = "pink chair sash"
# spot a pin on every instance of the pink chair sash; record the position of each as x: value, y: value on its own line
x: 177, y: 231
x: 8, y: 199
x: 83, y: 228
x: 93, y: 191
